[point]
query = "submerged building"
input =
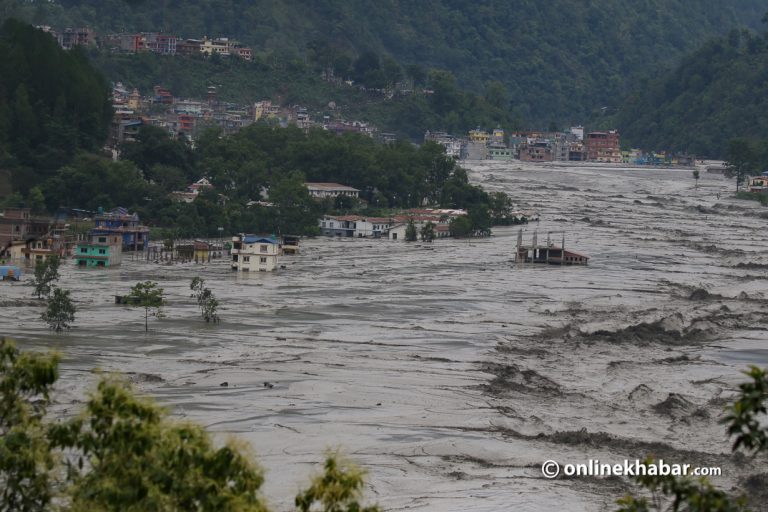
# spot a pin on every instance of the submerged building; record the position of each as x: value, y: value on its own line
x: 253, y: 253
x: 101, y: 250
x: 119, y: 222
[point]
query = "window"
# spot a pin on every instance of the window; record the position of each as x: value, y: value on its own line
x: 262, y: 260
x: 83, y: 250
x: 102, y: 239
x: 246, y: 259
x: 102, y: 251
x: 263, y: 248
x: 234, y: 257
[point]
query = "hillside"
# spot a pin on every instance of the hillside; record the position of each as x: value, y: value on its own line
x: 717, y: 93
x: 558, y: 60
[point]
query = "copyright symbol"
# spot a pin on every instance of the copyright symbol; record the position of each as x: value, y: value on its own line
x: 550, y: 469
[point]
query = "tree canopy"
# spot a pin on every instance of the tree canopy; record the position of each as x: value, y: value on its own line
x: 53, y: 103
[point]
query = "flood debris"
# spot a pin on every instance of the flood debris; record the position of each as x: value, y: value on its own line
x: 509, y: 378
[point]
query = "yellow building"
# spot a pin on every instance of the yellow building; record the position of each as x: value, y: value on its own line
x: 134, y: 100
x: 220, y: 46
x: 479, y: 136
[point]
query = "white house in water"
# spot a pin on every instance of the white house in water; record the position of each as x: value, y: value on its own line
x: 252, y: 253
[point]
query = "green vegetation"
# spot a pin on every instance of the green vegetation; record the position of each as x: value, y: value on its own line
x: 52, y: 104
x: 123, y: 453
x: 410, y: 231
x: 746, y: 157
x: 716, y: 93
x: 46, y: 272
x: 339, y: 489
x: 427, y: 232
x: 60, y: 312
x: 27, y: 463
x: 684, y: 493
x: 149, y: 296
x: 559, y: 60
x: 207, y: 302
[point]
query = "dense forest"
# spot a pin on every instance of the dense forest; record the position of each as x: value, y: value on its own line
x: 559, y: 60
x: 717, y: 93
x: 52, y: 104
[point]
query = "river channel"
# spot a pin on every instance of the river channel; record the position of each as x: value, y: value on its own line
x: 446, y: 370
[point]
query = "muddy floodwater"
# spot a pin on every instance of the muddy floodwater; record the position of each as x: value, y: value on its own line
x: 446, y: 371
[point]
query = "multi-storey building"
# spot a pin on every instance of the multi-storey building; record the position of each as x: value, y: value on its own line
x: 102, y: 250
x: 604, y: 147
x: 252, y: 253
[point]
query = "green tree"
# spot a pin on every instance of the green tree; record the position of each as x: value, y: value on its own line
x: 338, y: 489
x: 123, y: 453
x: 60, y: 312
x: 410, y: 231
x: 149, y: 296
x: 460, y: 226
x: 742, y: 160
x: 26, y: 461
x: 139, y: 460
x: 206, y: 301
x: 36, y: 200
x: 428, y: 232
x: 46, y: 272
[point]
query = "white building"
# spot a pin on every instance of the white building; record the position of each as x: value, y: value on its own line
x: 355, y: 226
x: 323, y: 190
x: 252, y: 253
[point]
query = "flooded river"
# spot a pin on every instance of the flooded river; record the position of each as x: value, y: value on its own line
x: 446, y: 371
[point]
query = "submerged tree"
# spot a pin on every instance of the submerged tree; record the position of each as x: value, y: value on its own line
x: 742, y: 160
x: 46, y: 272
x: 410, y: 232
x: 207, y: 302
x: 428, y: 232
x: 60, y: 312
x: 149, y: 296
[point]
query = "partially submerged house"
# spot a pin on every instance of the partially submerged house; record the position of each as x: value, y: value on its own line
x: 758, y: 184
x: 135, y: 236
x: 102, y: 250
x: 31, y: 238
x: 548, y: 253
x: 253, y: 253
x: 290, y: 245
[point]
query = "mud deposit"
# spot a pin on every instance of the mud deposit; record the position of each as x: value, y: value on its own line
x: 446, y: 371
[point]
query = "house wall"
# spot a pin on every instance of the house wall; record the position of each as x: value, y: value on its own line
x: 260, y: 256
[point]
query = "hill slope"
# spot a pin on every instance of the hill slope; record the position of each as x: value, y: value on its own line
x: 559, y: 60
x: 717, y: 93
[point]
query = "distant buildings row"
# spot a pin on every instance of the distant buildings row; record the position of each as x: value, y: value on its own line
x: 570, y: 146
x: 186, y: 117
x: 155, y: 42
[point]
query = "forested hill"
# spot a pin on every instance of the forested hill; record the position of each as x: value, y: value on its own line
x: 559, y: 59
x: 717, y: 93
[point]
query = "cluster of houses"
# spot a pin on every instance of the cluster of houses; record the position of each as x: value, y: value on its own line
x: 186, y: 117
x: 573, y: 145
x: 28, y: 238
x: 155, y: 42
